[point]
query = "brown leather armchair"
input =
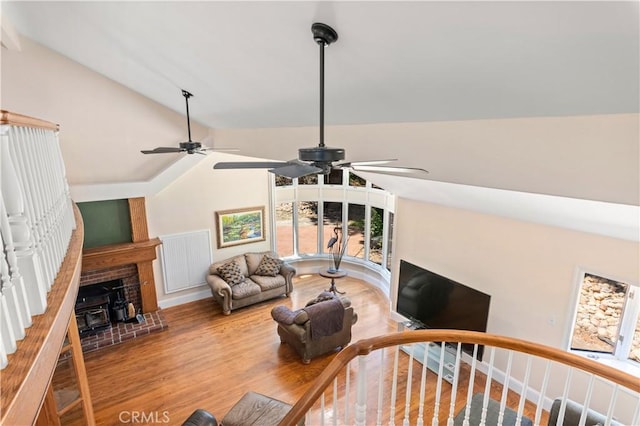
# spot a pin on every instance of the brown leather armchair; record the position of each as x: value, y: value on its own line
x: 318, y: 328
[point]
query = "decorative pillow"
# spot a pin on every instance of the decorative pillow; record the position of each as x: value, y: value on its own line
x: 269, y: 266
x: 325, y: 295
x: 231, y: 273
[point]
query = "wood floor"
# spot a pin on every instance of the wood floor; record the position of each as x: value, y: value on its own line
x: 209, y: 360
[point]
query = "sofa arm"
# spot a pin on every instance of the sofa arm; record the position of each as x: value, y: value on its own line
x: 221, y: 291
x: 288, y: 272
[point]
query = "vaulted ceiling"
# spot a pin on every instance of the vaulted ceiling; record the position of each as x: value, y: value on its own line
x: 254, y: 65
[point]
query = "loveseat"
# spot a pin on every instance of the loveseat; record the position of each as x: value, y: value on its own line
x: 249, y: 278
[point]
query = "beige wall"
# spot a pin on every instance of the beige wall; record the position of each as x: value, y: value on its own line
x: 190, y: 203
x: 528, y: 269
x: 103, y: 124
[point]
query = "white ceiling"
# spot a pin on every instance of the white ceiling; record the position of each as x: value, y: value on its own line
x: 255, y: 64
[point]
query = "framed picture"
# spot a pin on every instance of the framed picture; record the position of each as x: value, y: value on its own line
x: 240, y: 226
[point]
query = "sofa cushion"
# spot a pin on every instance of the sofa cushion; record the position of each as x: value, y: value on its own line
x: 231, y: 273
x: 253, y: 261
x: 245, y: 289
x: 240, y: 260
x: 269, y: 267
x: 267, y: 283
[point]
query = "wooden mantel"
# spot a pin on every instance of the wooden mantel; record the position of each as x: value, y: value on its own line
x: 119, y: 254
x: 142, y: 253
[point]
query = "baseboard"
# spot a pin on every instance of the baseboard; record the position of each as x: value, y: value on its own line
x: 185, y: 298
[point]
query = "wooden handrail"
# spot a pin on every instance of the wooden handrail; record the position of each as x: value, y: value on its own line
x: 25, y: 380
x: 8, y: 117
x: 366, y: 346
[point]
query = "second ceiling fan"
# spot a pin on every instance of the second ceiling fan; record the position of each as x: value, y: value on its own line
x: 319, y: 159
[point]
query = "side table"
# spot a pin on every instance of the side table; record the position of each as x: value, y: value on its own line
x: 333, y: 275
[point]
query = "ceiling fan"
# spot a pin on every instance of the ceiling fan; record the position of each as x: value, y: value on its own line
x: 190, y: 147
x: 319, y: 159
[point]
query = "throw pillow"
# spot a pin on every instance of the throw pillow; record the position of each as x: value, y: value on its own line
x: 269, y: 266
x: 231, y: 273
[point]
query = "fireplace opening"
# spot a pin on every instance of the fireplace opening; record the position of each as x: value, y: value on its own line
x: 99, y: 305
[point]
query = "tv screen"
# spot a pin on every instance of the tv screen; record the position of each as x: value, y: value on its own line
x: 433, y: 301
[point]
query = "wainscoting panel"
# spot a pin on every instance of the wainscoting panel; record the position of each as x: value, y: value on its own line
x: 185, y: 259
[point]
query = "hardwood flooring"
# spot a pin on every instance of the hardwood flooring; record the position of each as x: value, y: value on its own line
x: 208, y: 360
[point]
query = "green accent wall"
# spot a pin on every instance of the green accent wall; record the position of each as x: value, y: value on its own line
x: 106, y: 222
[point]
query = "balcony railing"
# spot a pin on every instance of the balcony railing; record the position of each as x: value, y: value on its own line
x: 411, y: 378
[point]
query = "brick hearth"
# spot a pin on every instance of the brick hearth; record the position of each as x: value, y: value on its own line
x: 121, y: 332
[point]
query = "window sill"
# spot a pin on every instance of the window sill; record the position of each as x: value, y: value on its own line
x: 629, y: 367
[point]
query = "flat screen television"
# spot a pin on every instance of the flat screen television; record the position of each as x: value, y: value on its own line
x: 430, y: 300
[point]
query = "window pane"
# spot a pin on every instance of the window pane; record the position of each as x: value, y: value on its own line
x: 308, y: 227
x: 374, y: 186
x: 355, y: 180
x: 599, y: 312
x: 634, y: 355
x: 356, y: 231
x: 334, y: 178
x: 284, y: 229
x: 375, y: 236
x: 283, y: 181
x: 389, y: 240
x: 308, y: 180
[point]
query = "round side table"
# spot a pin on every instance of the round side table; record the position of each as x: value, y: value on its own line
x: 333, y: 275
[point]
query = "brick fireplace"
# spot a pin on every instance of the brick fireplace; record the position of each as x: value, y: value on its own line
x: 131, y: 263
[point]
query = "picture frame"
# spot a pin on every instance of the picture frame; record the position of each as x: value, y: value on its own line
x: 240, y: 226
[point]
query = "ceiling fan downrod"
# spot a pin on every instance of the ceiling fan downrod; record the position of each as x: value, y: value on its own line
x: 324, y: 35
x: 187, y: 95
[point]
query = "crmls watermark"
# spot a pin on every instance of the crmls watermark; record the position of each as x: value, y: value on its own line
x: 143, y: 417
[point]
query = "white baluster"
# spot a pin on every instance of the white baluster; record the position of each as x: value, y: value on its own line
x: 380, y: 389
x: 3, y: 354
x: 335, y: 401
x: 407, y: 396
x: 15, y: 236
x: 543, y: 391
x: 28, y: 260
x: 454, y: 389
x: 6, y: 321
x: 472, y: 376
x: 436, y: 406
x: 505, y: 388
x: 487, y: 387
x: 8, y: 284
x: 347, y: 386
x: 587, y: 399
x: 423, y: 384
x: 23, y: 151
x: 322, y: 409
x: 523, y: 395
x: 361, y: 392
x: 394, y: 388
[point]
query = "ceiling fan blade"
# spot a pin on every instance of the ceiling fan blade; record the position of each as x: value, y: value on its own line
x: 295, y: 170
x: 365, y: 163
x: 210, y: 149
x: 162, y: 150
x: 390, y: 169
x: 227, y: 165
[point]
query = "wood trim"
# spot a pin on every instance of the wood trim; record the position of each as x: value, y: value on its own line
x: 119, y: 254
x: 48, y: 415
x: 366, y: 346
x: 25, y: 380
x: 13, y: 119
x: 81, y: 373
x: 138, y: 214
x: 147, y: 287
